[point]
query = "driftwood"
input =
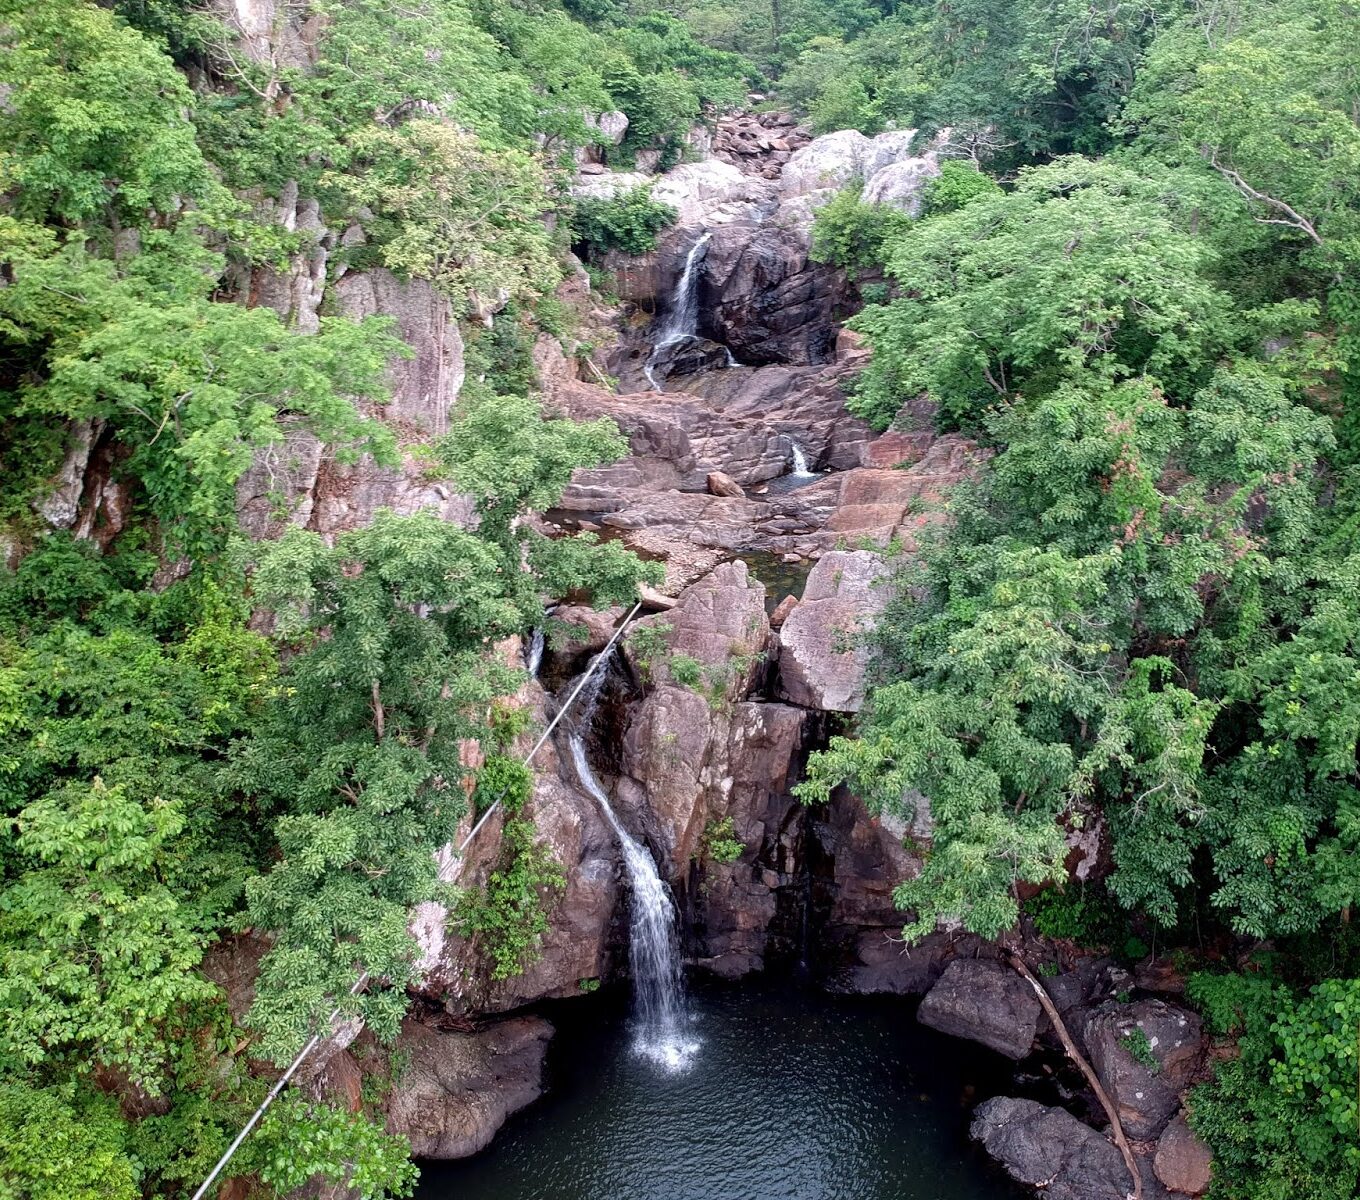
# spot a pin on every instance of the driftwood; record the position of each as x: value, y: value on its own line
x: 1116, y: 1126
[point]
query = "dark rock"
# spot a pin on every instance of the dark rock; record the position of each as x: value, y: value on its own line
x: 1050, y: 1150
x: 985, y: 1002
x: 1146, y: 1099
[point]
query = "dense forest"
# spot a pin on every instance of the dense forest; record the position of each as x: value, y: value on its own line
x: 1136, y: 283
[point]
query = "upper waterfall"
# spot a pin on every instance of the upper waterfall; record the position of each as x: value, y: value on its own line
x: 682, y: 321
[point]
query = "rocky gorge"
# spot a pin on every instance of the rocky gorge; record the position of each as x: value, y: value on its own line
x: 776, y: 514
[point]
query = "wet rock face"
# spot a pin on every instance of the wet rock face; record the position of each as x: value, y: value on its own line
x: 1049, y: 1149
x: 459, y: 1088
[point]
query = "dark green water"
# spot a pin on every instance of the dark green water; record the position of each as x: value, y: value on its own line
x: 793, y: 1095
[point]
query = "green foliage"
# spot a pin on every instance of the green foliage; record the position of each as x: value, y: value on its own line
x: 629, y: 222
x: 1281, y: 1119
x: 1136, y: 1045
x: 1080, y: 915
x: 1084, y: 267
x: 854, y: 235
x: 685, y: 670
x: 300, y: 1142
x: 448, y: 208
x: 647, y: 642
x: 63, y: 1143
x: 506, y: 920
x: 720, y: 841
x: 95, y: 122
x: 957, y: 185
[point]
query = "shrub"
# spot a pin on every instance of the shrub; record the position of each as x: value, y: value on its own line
x: 958, y: 183
x: 852, y: 234
x: 629, y: 222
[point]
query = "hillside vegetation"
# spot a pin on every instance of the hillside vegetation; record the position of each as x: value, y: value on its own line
x: 1137, y: 283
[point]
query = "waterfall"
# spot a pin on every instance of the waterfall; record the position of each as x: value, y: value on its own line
x: 533, y: 654
x: 800, y: 461
x: 653, y: 943
x: 683, y: 319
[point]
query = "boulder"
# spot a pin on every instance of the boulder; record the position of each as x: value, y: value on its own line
x: 1119, y: 1036
x: 458, y: 1088
x: 1182, y: 1161
x: 782, y: 610
x: 985, y: 1002
x: 820, y: 666
x: 1049, y: 1149
x: 721, y: 484
x: 613, y: 126
x: 828, y: 162
x: 901, y: 185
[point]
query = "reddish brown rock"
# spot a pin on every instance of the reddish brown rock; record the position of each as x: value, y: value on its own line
x: 782, y: 611
x: 820, y: 664
x: 1182, y: 1161
x: 721, y: 484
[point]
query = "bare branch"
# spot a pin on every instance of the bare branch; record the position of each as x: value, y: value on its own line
x: 1291, y: 217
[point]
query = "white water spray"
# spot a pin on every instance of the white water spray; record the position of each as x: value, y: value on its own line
x: 533, y: 653
x: 683, y: 319
x: 801, y: 470
x: 653, y: 943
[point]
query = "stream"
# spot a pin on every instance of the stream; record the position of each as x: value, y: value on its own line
x: 793, y: 1094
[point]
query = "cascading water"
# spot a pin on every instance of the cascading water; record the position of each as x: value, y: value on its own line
x: 683, y: 318
x: 533, y: 653
x: 653, y: 943
x: 801, y: 469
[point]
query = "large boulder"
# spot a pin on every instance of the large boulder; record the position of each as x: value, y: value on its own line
x: 1145, y: 1053
x: 1182, y: 1162
x: 820, y: 664
x: 985, y: 1002
x: 458, y: 1088
x: 1050, y: 1150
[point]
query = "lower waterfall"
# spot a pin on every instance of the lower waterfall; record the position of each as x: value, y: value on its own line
x: 660, y: 1012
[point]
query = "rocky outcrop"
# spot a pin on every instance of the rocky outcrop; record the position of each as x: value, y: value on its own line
x: 1050, y: 1150
x: 458, y: 1088
x: 674, y: 749
x: 985, y: 1002
x: 748, y: 912
x: 822, y: 655
x: 424, y: 386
